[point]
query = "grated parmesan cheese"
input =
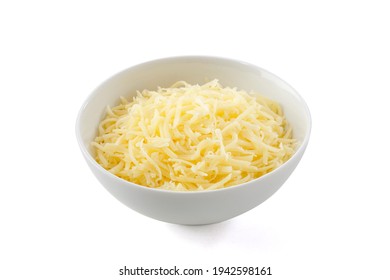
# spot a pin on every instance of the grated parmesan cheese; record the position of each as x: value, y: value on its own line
x: 193, y: 137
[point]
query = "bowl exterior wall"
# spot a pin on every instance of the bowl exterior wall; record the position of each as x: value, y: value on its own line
x: 195, y: 208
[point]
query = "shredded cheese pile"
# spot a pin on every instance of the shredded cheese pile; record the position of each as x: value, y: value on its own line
x: 193, y: 137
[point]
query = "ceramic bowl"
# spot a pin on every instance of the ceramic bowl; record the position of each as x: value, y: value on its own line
x: 203, y: 207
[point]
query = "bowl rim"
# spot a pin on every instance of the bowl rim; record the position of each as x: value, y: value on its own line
x: 91, y: 160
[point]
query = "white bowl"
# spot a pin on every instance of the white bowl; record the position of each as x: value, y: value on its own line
x: 204, y: 207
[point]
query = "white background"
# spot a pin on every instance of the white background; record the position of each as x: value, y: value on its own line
x: 329, y: 221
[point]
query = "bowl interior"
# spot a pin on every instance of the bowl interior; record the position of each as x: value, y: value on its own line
x: 165, y: 72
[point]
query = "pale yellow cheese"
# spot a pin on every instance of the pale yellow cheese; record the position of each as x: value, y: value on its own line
x: 193, y: 137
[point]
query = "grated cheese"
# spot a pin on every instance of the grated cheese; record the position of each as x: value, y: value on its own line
x: 193, y: 137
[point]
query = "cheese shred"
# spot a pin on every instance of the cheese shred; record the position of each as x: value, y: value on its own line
x: 193, y: 137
